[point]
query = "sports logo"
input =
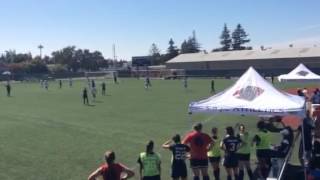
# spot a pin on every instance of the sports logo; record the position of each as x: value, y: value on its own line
x: 248, y: 93
x: 302, y: 73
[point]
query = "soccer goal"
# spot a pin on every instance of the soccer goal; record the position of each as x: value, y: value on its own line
x: 101, y: 74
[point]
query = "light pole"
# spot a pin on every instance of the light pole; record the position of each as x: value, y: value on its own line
x: 40, y: 48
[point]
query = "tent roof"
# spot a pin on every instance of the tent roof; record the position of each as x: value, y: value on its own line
x: 251, y: 94
x: 300, y: 73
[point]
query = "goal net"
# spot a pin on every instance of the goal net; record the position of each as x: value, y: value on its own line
x: 101, y: 74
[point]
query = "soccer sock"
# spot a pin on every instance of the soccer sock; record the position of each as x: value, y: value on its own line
x: 241, y: 174
x: 250, y: 174
x: 236, y: 177
x: 196, y: 178
x: 205, y: 178
x: 229, y: 177
x: 216, y: 174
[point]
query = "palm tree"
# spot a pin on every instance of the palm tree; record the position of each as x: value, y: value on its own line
x: 40, y: 48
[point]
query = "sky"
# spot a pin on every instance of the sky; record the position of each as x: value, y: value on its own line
x: 133, y: 25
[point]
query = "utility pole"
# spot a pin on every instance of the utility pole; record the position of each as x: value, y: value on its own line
x: 114, y: 55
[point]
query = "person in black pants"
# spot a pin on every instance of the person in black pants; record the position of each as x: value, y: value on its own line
x: 85, y: 96
x: 8, y: 87
x: 103, y: 88
x: 308, y: 127
x: 230, y: 145
x: 179, y: 155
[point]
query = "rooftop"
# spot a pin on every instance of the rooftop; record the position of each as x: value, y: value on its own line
x: 248, y: 55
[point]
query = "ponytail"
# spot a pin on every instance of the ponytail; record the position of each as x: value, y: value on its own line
x: 110, y: 174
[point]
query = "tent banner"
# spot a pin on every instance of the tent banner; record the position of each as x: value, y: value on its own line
x: 252, y: 111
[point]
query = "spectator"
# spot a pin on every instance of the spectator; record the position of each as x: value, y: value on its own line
x: 198, y: 143
x: 315, y: 161
x: 214, y: 153
x: 150, y: 164
x: 308, y: 126
x: 300, y: 93
x: 179, y: 152
x: 230, y: 145
x: 278, y: 153
x: 244, y: 153
x: 305, y: 92
x: 262, y: 142
x: 111, y: 170
x: 315, y: 99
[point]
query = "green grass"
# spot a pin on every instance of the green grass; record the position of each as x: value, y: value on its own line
x: 52, y: 135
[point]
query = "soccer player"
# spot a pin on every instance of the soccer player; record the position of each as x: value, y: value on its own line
x: 212, y: 87
x: 198, y: 143
x: 244, y: 153
x: 94, y: 93
x: 46, y: 84
x: 103, y: 88
x: 70, y: 82
x: 214, y: 153
x: 147, y: 83
x: 111, y: 170
x: 150, y: 164
x: 185, y: 82
x: 8, y: 88
x: 60, y: 83
x: 179, y: 151
x: 85, y: 96
x: 115, y: 78
x: 93, y: 84
x: 230, y: 145
x: 41, y: 83
x: 262, y: 142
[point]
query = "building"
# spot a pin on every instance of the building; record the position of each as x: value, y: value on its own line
x: 141, y: 61
x: 270, y: 62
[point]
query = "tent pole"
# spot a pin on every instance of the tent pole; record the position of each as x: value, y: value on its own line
x: 303, y: 145
x: 190, y: 119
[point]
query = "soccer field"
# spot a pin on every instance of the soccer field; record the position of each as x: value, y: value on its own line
x: 52, y: 135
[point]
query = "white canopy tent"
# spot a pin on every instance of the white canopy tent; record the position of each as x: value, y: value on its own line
x: 251, y: 94
x: 6, y: 73
x: 300, y: 73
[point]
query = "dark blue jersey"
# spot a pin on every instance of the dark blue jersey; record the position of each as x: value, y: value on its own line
x: 231, y: 144
x: 179, y: 152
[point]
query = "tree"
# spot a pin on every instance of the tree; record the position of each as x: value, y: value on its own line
x: 190, y: 46
x: 154, y: 50
x: 154, y: 54
x: 172, y: 50
x: 184, y: 47
x: 66, y: 56
x: 226, y: 40
x: 239, y: 38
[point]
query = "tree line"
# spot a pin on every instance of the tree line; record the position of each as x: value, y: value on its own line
x: 229, y: 42
x: 68, y: 59
x: 72, y: 59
